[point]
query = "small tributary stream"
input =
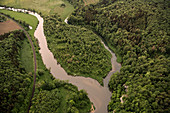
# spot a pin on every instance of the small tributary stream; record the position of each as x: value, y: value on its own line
x: 99, y: 95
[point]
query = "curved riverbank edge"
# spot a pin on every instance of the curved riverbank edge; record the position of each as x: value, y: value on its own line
x: 100, y: 96
x: 115, y: 65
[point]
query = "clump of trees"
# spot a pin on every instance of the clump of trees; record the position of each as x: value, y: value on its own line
x: 14, y: 81
x: 2, y: 18
x: 138, y: 32
x: 76, y: 3
x: 78, y: 50
x: 60, y: 96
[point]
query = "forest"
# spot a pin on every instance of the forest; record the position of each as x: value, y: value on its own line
x: 14, y: 80
x: 78, y: 50
x: 138, y: 32
x: 59, y: 96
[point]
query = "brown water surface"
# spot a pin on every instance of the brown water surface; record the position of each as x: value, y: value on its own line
x: 99, y: 95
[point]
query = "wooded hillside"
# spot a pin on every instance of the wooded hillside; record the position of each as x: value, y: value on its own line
x: 138, y: 31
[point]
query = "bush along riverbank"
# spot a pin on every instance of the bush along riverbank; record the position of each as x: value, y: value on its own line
x: 137, y: 31
x: 78, y: 50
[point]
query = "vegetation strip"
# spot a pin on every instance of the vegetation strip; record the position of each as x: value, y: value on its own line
x: 35, y: 64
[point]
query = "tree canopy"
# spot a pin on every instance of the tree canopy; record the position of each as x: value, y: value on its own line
x: 78, y: 50
x: 138, y: 32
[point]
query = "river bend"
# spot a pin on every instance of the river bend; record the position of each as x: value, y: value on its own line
x: 99, y: 95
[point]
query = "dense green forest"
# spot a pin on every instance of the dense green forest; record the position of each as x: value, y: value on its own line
x: 59, y: 96
x: 138, y: 32
x: 14, y: 81
x: 76, y: 3
x: 78, y: 50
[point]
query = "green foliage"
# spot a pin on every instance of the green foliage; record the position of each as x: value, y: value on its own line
x: 51, y: 95
x: 78, y: 50
x: 76, y: 3
x: 14, y: 81
x: 2, y: 18
x: 46, y: 100
x: 138, y: 31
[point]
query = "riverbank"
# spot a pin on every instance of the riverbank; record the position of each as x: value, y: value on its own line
x: 44, y: 78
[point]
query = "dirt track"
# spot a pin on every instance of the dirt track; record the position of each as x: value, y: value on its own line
x: 8, y: 26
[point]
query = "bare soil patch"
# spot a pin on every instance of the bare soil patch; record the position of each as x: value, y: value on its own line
x: 8, y: 26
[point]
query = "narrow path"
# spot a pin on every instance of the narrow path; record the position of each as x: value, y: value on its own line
x: 35, y: 62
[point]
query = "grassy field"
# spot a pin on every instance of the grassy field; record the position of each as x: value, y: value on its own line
x: 26, y: 56
x: 44, y: 6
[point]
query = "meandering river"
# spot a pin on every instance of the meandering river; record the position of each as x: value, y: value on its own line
x: 99, y: 95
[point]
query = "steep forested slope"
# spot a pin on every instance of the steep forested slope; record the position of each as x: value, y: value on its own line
x: 138, y: 31
x: 14, y: 81
x: 78, y: 50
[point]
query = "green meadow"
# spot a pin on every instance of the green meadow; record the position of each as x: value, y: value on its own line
x: 44, y: 6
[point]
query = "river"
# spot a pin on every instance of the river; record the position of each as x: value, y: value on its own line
x: 99, y: 95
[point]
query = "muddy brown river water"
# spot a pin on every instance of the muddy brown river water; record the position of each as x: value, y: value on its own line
x: 99, y: 95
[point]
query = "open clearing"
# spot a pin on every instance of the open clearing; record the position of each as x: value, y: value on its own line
x: 44, y: 6
x: 8, y: 26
